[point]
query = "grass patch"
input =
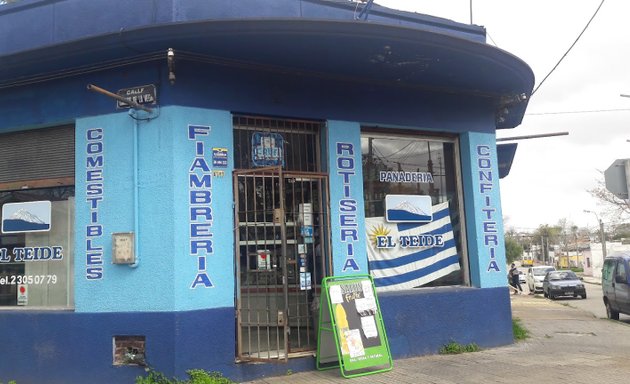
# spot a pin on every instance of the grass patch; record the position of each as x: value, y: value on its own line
x: 454, y: 348
x: 520, y: 333
x: 195, y: 376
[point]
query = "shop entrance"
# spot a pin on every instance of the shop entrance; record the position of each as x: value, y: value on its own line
x: 279, y: 261
x: 281, y: 237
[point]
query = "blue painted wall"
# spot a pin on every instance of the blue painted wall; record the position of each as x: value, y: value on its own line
x: 120, y: 287
x: 167, y: 269
x: 234, y: 89
x: 420, y: 322
x: 76, y: 348
x: 219, y: 264
x: 72, y: 348
x: 482, y: 201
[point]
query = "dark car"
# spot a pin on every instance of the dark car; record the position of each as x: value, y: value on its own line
x: 563, y: 283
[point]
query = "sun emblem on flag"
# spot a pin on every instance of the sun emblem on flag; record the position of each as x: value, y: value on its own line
x: 377, y: 231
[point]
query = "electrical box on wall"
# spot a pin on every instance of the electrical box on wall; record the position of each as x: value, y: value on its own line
x: 123, y: 248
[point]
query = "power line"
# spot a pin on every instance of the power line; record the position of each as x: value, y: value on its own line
x: 568, y: 50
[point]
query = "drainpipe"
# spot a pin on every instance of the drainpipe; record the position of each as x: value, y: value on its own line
x: 133, y: 115
x: 136, y: 226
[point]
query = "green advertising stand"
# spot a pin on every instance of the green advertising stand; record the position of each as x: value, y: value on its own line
x: 351, y: 333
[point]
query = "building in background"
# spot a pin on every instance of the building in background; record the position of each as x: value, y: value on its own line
x: 270, y: 144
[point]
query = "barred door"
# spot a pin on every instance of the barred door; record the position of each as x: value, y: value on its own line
x: 279, y: 261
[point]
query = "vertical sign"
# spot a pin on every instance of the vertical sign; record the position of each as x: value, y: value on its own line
x: 200, y: 206
x: 487, y: 184
x: 348, y: 223
x: 94, y: 195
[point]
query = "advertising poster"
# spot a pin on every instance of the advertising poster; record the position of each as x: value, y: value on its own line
x: 358, y: 329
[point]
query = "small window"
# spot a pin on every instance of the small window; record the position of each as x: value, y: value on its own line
x: 607, y: 270
x: 621, y: 270
x: 129, y: 350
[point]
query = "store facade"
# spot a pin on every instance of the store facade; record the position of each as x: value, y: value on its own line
x: 272, y: 149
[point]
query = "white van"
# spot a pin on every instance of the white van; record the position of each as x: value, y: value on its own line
x: 535, y: 277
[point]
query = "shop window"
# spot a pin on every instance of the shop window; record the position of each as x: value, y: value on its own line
x: 36, y: 247
x: 413, y: 210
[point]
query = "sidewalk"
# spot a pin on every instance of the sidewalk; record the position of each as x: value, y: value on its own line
x: 566, y: 345
x: 591, y: 280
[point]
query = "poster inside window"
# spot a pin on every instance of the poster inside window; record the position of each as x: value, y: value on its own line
x: 413, y: 214
x: 36, y: 247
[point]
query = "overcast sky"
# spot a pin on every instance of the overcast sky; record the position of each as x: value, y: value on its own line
x: 550, y: 176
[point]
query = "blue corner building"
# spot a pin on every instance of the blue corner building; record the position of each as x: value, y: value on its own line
x: 185, y: 173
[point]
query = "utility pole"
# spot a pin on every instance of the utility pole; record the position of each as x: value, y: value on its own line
x: 602, y: 236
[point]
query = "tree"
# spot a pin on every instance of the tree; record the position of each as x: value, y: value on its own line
x: 615, y: 209
x: 546, y: 236
x: 513, y: 250
x: 621, y: 231
x: 567, y: 234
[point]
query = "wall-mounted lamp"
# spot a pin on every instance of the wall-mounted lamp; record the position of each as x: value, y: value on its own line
x: 170, y: 60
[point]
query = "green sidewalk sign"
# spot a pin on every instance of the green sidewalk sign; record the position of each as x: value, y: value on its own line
x: 351, y: 331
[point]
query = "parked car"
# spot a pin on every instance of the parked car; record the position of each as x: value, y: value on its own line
x: 563, y: 283
x: 521, y: 276
x: 535, y: 277
x: 616, y: 285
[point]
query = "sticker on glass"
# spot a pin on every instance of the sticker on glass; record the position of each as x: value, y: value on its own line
x: 408, y: 209
x: 33, y: 216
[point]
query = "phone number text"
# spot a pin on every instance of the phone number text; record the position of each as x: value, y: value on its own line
x: 28, y: 279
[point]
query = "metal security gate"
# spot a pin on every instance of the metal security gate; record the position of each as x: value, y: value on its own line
x: 280, y: 258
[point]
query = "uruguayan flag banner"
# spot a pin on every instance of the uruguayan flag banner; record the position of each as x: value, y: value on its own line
x: 406, y: 255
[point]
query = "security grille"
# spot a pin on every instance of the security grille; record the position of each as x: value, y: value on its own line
x: 281, y: 235
x: 37, y: 157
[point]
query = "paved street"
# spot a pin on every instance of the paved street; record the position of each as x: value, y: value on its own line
x: 567, y: 345
x: 594, y: 303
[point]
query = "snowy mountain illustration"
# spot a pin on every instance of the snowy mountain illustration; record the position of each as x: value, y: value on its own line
x: 24, y: 221
x: 25, y: 215
x: 408, y: 212
x: 407, y: 206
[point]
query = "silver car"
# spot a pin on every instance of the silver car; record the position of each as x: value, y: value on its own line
x: 535, y: 277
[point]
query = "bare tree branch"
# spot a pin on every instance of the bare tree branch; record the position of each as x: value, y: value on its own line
x: 614, y: 208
